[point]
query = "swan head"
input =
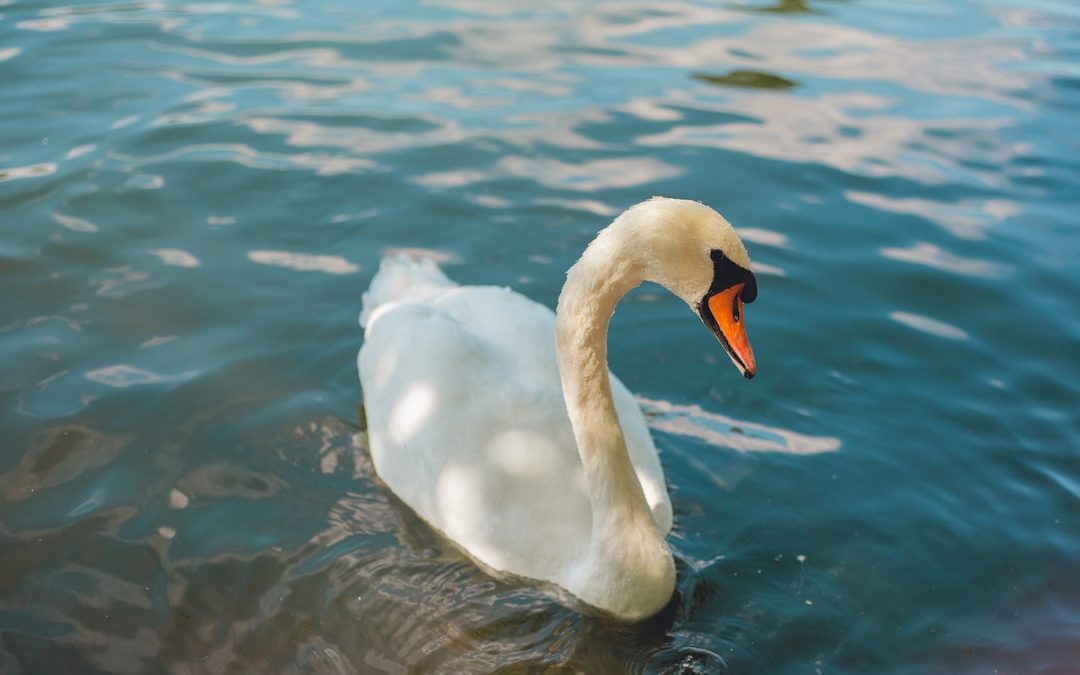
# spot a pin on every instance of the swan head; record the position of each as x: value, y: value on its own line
x: 691, y: 250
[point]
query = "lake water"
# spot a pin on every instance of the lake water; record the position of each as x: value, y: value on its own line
x: 193, y: 196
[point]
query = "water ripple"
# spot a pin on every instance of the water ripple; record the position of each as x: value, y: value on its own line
x: 190, y: 219
x: 122, y: 376
x: 925, y: 253
x: 925, y: 324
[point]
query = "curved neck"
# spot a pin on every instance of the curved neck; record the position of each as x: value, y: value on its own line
x: 594, y: 285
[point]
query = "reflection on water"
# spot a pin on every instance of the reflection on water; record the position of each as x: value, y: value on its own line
x: 195, y: 195
x: 725, y: 432
x: 304, y: 262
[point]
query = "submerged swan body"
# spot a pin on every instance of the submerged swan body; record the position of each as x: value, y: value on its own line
x: 499, y: 423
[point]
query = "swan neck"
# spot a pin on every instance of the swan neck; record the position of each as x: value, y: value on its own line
x: 628, y: 568
x: 594, y: 286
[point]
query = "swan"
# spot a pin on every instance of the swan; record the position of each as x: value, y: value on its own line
x: 500, y: 425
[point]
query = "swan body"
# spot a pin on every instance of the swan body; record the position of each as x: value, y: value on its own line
x: 498, y: 422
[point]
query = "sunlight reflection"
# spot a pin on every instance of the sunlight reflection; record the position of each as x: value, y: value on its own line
x: 839, y: 130
x: 32, y: 171
x: 967, y: 218
x: 157, y: 341
x: 764, y: 237
x: 766, y: 268
x: 925, y: 324
x: 588, y: 176
x: 122, y: 376
x: 355, y: 138
x: 588, y: 205
x: 43, y: 25
x: 176, y: 257
x: 244, y: 155
x: 925, y: 253
x: 79, y: 150
x: 716, y: 429
x: 74, y: 223
x: 304, y: 262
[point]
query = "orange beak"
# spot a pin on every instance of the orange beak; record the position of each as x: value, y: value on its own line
x: 728, y: 323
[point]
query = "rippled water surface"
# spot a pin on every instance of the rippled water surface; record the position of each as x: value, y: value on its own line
x: 193, y: 196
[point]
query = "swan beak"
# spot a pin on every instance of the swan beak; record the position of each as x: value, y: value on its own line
x: 725, y: 309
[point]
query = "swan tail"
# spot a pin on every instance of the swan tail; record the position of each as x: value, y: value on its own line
x: 402, y: 276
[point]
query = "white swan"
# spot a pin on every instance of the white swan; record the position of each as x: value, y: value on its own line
x: 470, y: 425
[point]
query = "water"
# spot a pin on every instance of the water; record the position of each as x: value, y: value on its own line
x: 194, y: 195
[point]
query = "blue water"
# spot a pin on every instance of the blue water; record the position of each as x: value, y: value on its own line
x: 193, y: 196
